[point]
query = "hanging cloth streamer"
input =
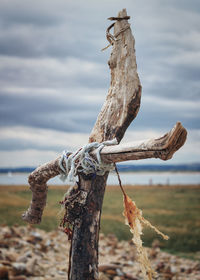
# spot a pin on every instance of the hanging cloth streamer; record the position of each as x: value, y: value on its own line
x: 82, y: 161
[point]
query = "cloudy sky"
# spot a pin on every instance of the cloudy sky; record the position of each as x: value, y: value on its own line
x: 54, y: 77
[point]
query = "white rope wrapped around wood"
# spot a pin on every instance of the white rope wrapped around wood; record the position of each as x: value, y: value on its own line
x: 81, y: 161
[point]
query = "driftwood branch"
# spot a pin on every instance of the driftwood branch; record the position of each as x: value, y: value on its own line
x: 123, y: 99
x: 163, y: 148
x: 84, y: 203
x: 37, y: 181
x: 120, y: 108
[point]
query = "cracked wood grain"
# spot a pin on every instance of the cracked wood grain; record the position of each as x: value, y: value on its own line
x: 123, y: 99
x: 120, y: 108
x: 163, y: 147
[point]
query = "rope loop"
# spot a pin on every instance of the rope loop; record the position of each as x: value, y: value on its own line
x: 81, y: 161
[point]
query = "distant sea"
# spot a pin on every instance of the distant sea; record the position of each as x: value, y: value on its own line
x: 132, y: 178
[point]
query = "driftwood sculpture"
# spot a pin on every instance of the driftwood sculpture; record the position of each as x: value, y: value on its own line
x: 83, y: 202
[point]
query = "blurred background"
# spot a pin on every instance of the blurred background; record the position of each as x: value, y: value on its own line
x: 53, y: 81
x: 54, y: 77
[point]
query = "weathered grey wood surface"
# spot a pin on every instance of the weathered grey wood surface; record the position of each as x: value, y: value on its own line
x: 163, y: 148
x: 84, y: 203
x: 38, y: 185
x: 123, y: 99
x: 120, y: 108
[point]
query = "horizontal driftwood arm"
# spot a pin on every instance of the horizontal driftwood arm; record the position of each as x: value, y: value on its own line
x: 163, y: 147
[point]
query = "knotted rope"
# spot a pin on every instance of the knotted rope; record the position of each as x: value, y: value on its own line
x: 82, y: 161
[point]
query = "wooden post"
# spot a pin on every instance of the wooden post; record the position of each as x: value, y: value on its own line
x: 120, y: 108
x: 84, y: 203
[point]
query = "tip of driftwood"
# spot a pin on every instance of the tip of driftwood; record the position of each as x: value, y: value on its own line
x: 175, y: 140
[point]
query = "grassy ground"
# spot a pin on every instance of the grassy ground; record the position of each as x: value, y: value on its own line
x: 173, y: 209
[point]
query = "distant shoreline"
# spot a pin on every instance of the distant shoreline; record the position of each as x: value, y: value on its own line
x: 195, y: 167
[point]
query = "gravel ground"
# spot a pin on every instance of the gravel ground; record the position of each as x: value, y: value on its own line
x: 27, y: 253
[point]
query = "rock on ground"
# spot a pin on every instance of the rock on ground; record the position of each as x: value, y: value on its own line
x: 28, y: 253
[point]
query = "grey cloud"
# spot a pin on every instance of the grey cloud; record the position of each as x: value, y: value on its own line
x: 33, y: 74
x: 48, y: 29
x: 175, y: 89
x: 69, y: 115
x: 161, y: 117
x: 15, y: 144
x: 193, y: 6
x: 27, y: 12
x: 187, y: 73
x: 60, y: 114
x: 38, y: 38
x: 57, y: 42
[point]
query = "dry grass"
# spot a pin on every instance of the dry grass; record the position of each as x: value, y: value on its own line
x: 173, y: 209
x: 11, y: 199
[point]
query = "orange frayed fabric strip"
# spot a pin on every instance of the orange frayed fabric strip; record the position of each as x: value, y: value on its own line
x: 135, y: 220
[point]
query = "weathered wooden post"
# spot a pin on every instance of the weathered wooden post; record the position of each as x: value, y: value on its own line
x: 84, y: 202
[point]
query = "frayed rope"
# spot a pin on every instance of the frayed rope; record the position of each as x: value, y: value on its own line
x: 82, y: 161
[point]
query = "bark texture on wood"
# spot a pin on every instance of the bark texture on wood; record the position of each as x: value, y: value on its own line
x: 37, y: 180
x: 120, y: 108
x: 163, y: 148
x: 84, y: 203
x: 84, y: 256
